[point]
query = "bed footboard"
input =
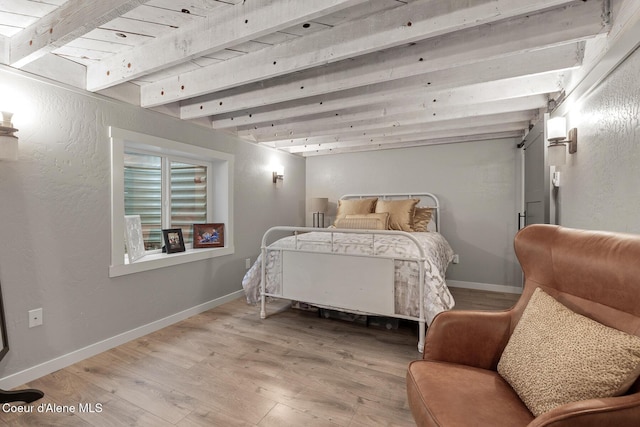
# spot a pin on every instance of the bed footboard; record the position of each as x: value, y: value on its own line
x: 357, y: 283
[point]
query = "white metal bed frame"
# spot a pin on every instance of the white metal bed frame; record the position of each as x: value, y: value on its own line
x: 335, y: 280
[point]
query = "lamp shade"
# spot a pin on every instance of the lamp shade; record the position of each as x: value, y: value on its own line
x: 557, y: 154
x: 8, y: 147
x: 319, y: 204
x: 556, y: 129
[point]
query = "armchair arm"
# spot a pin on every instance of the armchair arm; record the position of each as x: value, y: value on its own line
x: 619, y: 411
x: 472, y: 338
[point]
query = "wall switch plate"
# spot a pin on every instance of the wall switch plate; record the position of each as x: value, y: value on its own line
x: 247, y: 263
x: 456, y: 259
x: 35, y: 317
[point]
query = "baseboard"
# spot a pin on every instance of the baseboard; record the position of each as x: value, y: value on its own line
x: 484, y: 286
x: 30, y: 374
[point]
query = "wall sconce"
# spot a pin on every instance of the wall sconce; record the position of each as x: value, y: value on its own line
x: 8, y: 141
x: 278, y: 173
x: 319, y: 206
x: 557, y: 137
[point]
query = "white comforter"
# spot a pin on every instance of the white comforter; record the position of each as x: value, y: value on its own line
x: 438, y: 253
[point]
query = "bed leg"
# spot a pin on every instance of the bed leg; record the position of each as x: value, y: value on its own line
x: 263, y: 311
x: 421, y: 335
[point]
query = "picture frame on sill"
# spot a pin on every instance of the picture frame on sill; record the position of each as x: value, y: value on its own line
x: 173, y: 240
x: 208, y: 235
x: 134, y: 241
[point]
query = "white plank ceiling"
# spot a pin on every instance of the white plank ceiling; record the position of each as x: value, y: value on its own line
x: 322, y: 76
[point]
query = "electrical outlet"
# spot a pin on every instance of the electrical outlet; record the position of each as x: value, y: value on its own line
x: 247, y: 263
x: 456, y: 259
x: 35, y: 317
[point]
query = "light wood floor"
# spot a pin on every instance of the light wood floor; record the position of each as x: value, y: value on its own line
x: 226, y: 367
x: 471, y: 299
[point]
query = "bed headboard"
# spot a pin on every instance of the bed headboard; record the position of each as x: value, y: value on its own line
x: 427, y: 200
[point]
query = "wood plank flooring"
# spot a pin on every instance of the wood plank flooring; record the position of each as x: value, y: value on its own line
x: 226, y: 367
x: 471, y: 299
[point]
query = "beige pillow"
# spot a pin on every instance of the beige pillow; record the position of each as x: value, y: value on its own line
x: 382, y: 218
x: 421, y: 219
x: 400, y: 213
x: 556, y: 356
x: 360, y: 223
x: 355, y: 207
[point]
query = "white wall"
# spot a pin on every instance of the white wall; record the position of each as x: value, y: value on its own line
x: 600, y: 184
x: 55, y: 224
x: 478, y: 184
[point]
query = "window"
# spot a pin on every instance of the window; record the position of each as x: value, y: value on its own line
x: 170, y: 185
x: 145, y: 177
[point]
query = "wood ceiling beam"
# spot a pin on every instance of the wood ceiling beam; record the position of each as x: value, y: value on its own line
x: 442, y: 134
x: 392, y: 117
x: 228, y: 26
x: 576, y: 22
x: 416, y: 21
x: 525, y: 116
x: 545, y: 61
x: 73, y: 19
x: 526, y: 83
x: 438, y: 141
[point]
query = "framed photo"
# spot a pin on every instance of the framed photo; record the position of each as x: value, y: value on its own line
x: 208, y: 235
x: 133, y: 237
x: 173, y: 240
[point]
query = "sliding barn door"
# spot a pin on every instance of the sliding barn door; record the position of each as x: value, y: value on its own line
x: 536, y: 180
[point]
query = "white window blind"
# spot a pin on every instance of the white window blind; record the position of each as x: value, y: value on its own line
x: 188, y: 197
x: 145, y: 185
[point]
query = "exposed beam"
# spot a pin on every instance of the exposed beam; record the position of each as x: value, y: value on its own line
x: 418, y: 20
x: 437, y: 141
x: 397, y: 117
x: 525, y: 116
x: 449, y: 133
x: 572, y: 23
x: 530, y: 83
x: 68, y: 22
x: 229, y: 25
x: 544, y: 61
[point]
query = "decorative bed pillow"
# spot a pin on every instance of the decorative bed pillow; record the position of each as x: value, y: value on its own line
x: 421, y: 219
x: 556, y: 356
x: 382, y: 219
x: 355, y: 207
x: 400, y: 212
x: 360, y: 223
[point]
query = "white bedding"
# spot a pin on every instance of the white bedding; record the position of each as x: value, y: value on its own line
x: 438, y: 253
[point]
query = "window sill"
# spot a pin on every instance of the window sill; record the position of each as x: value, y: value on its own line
x: 155, y: 261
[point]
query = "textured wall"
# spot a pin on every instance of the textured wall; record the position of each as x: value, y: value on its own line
x: 601, y: 182
x: 478, y: 184
x: 55, y: 222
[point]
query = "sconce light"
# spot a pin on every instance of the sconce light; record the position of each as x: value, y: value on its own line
x: 319, y: 206
x: 278, y: 173
x: 557, y: 137
x: 8, y: 141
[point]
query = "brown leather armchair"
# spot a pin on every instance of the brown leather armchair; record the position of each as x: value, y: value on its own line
x: 596, y: 274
